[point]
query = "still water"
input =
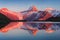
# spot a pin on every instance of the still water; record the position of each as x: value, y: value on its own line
x: 18, y: 34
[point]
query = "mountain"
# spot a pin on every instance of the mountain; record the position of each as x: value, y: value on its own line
x: 31, y: 9
x: 53, y: 12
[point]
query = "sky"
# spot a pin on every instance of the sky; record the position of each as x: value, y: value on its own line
x: 21, y: 5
